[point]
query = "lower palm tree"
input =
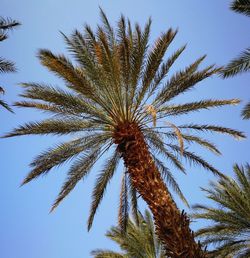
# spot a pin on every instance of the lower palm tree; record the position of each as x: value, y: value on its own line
x: 5, y: 65
x: 116, y: 102
x: 242, y: 62
x: 230, y: 231
x: 139, y: 241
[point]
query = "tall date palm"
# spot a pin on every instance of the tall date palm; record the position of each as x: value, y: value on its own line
x: 117, y: 102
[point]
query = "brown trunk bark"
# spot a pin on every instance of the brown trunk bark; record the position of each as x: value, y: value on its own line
x: 172, y: 226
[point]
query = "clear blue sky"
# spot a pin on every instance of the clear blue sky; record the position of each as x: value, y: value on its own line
x: 27, y: 229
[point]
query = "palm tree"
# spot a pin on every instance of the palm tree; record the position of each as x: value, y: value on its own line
x: 116, y: 103
x: 242, y: 62
x: 139, y: 241
x: 231, y: 219
x: 5, y: 65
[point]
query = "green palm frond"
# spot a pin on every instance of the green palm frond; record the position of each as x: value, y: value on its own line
x: 194, y: 139
x: 100, y: 253
x: 59, y: 101
x: 163, y: 70
x: 192, y: 158
x: 6, y: 106
x: 238, y: 65
x: 61, y: 153
x: 124, y: 204
x: 156, y: 143
x: 133, y: 201
x: 140, y: 241
x: 230, y: 229
x: 246, y: 111
x: 78, y: 171
x: 153, y: 62
x: 6, y: 66
x: 101, y: 183
x: 214, y: 128
x: 241, y: 63
x: 174, y: 110
x: 55, y: 126
x: 6, y: 24
x: 183, y: 81
x: 241, y: 6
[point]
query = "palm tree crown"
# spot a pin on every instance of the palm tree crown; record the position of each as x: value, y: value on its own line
x: 6, y: 65
x: 231, y: 228
x: 139, y: 241
x: 116, y: 99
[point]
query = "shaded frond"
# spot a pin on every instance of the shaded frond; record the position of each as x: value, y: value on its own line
x: 6, y: 106
x: 124, y: 205
x: 156, y: 143
x: 238, y: 65
x: 213, y: 128
x: 183, y: 81
x: 230, y: 227
x: 192, y: 158
x: 174, y: 110
x: 108, y: 28
x: 100, y: 253
x: 241, y: 6
x: 101, y: 184
x: 54, y: 126
x: 59, y: 101
x: 133, y: 200
x: 246, y: 111
x: 6, y: 66
x: 140, y: 241
x: 163, y: 71
x: 52, y: 157
x: 6, y: 24
x: 154, y: 60
x: 140, y: 45
x: 77, y: 171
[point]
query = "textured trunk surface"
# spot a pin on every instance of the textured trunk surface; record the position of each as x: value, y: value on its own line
x: 172, y: 226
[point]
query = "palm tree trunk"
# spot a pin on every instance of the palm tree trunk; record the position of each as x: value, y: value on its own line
x: 172, y: 226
